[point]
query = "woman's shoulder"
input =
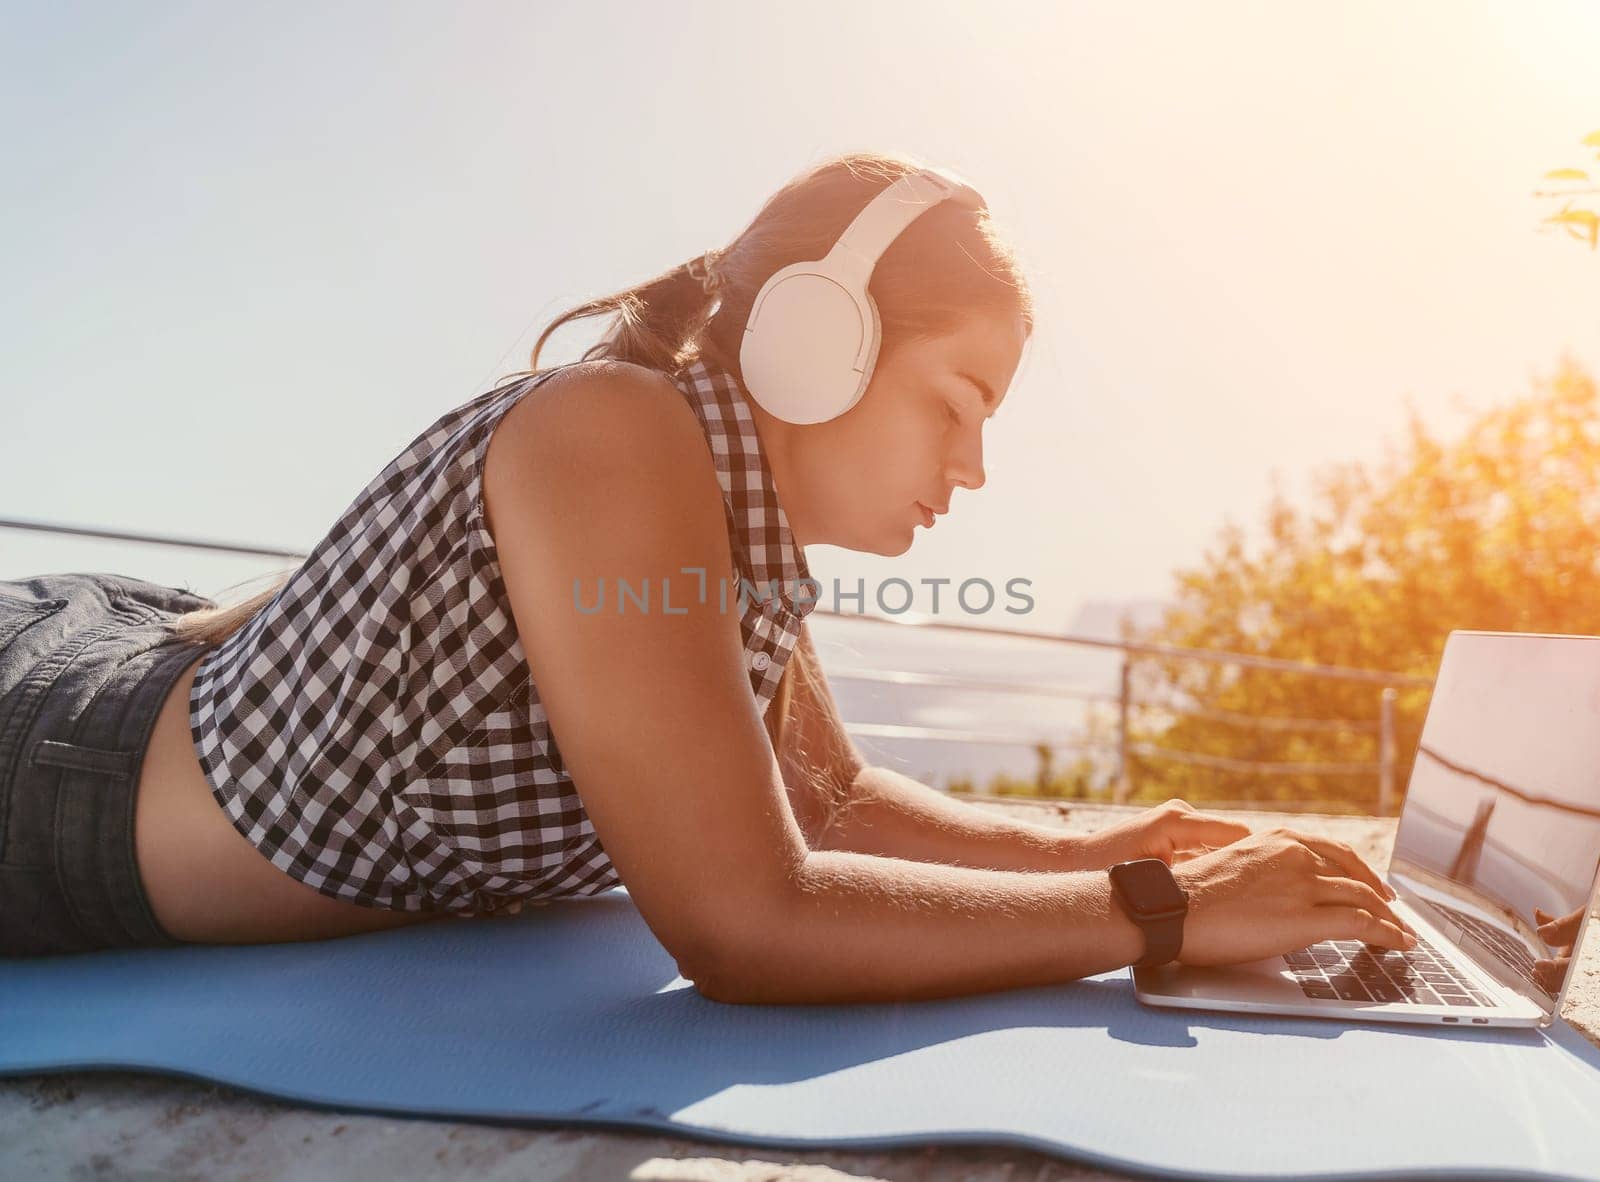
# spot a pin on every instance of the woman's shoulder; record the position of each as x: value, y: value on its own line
x: 604, y: 430
x: 602, y: 401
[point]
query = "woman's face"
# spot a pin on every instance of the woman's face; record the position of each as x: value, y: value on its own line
x: 859, y: 480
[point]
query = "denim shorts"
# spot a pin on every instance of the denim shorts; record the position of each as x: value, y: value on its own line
x: 86, y: 662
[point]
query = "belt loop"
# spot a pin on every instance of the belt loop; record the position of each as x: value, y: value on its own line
x: 52, y: 752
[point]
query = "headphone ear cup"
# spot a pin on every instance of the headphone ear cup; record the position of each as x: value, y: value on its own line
x: 864, y: 378
x: 808, y: 332
x: 874, y: 340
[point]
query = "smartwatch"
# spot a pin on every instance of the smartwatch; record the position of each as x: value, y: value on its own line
x: 1153, y: 899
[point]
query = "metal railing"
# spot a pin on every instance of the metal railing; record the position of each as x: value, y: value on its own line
x: 1124, y: 748
x: 1388, y: 684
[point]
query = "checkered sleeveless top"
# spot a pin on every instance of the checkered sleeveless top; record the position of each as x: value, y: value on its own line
x: 375, y: 731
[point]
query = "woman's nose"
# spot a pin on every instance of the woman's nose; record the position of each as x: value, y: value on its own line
x: 965, y: 466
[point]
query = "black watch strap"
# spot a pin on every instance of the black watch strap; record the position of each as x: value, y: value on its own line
x: 1162, y: 940
x: 1162, y: 923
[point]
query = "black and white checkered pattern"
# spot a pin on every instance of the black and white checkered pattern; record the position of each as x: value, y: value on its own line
x: 374, y: 730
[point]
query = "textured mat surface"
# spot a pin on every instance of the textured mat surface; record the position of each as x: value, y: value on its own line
x: 574, y: 1014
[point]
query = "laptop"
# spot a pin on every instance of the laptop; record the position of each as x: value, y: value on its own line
x: 1501, y: 816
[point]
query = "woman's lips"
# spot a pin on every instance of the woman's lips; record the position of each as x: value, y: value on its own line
x: 927, y: 514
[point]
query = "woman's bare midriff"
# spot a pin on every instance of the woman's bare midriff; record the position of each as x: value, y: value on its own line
x: 206, y: 882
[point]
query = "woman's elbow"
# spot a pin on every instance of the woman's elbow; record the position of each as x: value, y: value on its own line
x: 715, y: 987
x: 733, y: 960
x: 734, y: 983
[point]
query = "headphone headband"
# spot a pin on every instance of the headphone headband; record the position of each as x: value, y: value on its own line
x: 889, y: 213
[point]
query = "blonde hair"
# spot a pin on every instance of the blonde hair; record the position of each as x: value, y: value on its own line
x: 949, y: 265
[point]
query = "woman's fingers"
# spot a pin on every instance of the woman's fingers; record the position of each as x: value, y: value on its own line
x: 1347, y: 860
x: 1348, y: 892
x: 1559, y: 932
x: 1370, y: 927
x: 1208, y: 830
x: 1550, y: 973
x: 1193, y: 835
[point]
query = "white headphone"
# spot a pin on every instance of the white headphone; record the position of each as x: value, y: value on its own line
x: 811, y: 342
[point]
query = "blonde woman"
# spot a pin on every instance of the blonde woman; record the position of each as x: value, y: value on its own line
x: 449, y: 708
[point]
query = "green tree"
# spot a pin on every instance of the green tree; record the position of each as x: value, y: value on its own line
x: 1496, y: 530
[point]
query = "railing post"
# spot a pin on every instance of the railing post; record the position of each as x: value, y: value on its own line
x: 1386, y: 751
x: 1124, y: 785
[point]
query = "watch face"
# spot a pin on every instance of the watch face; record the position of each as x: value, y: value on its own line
x: 1147, y: 884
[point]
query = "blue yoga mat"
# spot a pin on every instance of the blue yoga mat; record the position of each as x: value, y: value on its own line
x: 574, y: 1014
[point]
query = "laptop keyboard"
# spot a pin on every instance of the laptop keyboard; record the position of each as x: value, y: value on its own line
x: 1510, y: 950
x: 1356, y: 971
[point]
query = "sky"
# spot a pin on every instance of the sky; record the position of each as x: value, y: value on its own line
x: 255, y: 249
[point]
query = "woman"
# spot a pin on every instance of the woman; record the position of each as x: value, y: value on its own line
x: 373, y: 742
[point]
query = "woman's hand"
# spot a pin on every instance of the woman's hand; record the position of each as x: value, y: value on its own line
x: 1279, y: 891
x: 1172, y: 831
x: 1561, y: 935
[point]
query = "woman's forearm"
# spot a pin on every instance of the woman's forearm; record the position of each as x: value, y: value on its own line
x: 892, y: 815
x: 857, y: 928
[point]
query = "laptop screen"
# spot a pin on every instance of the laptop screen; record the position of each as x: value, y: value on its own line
x: 1502, y: 814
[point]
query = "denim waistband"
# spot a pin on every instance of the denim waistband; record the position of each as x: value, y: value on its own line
x: 97, y: 862
x: 86, y: 673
